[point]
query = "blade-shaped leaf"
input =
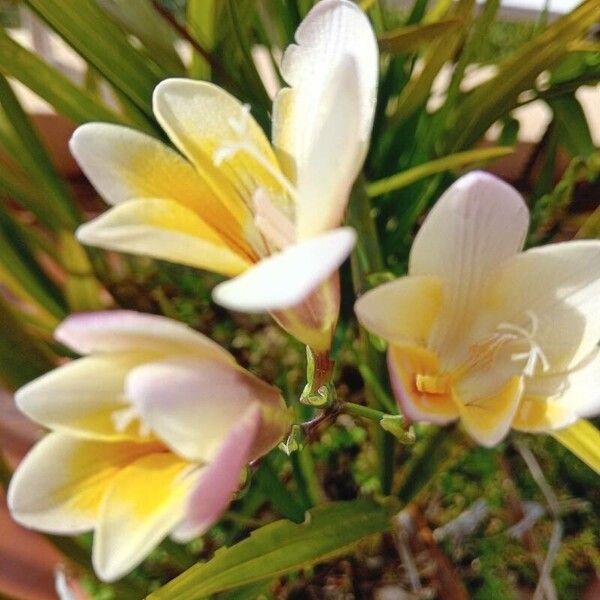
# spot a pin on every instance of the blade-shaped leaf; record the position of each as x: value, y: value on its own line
x: 407, y: 39
x: 92, y: 33
x: 51, y: 85
x: 279, y: 548
x: 433, y: 167
x: 583, y: 440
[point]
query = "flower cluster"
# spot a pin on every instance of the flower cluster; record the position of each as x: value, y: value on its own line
x: 151, y: 430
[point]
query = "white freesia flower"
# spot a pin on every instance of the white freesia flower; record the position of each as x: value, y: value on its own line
x: 485, y: 333
x: 149, y: 436
x: 267, y: 215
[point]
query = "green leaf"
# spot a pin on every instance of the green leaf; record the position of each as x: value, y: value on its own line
x: 496, y: 97
x: 22, y: 358
x: 142, y: 20
x: 22, y: 143
x: 583, y: 440
x: 433, y: 167
x: 51, y: 85
x: 279, y: 548
x: 201, y: 19
x: 572, y: 126
x: 407, y: 39
x: 92, y: 33
x: 16, y: 259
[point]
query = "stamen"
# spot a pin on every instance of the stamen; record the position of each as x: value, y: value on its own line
x: 229, y: 149
x: 123, y: 418
x: 535, y: 353
x: 271, y: 222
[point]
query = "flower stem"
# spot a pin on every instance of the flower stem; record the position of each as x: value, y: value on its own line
x: 367, y: 259
x: 358, y: 410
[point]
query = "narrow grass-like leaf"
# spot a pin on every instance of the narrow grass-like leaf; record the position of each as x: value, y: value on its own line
x: 201, y: 21
x: 51, y: 85
x: 21, y: 141
x: 497, y: 96
x: 22, y: 358
x: 279, y: 548
x: 572, y: 126
x: 583, y: 440
x: 433, y: 167
x: 407, y: 39
x: 92, y: 33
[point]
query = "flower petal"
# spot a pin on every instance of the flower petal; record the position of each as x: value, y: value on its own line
x: 405, y: 362
x: 162, y: 229
x: 287, y: 278
x: 219, y: 480
x: 536, y: 414
x: 124, y: 164
x: 559, y: 285
x: 59, y: 485
x: 403, y: 310
x: 192, y: 404
x: 204, y: 121
x: 81, y: 397
x: 487, y: 420
x: 143, y: 503
x: 126, y: 330
x: 322, y: 122
x: 476, y: 224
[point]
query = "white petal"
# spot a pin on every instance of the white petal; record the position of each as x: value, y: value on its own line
x: 219, y: 480
x: 124, y: 330
x: 143, y: 503
x: 477, y: 223
x: 192, y: 404
x: 59, y: 485
x: 403, y: 310
x: 322, y: 122
x: 285, y: 279
x: 81, y: 397
x: 558, y: 286
x: 203, y: 119
x: 166, y: 230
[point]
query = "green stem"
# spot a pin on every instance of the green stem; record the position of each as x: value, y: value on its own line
x: 358, y: 410
x: 367, y: 259
x: 443, y: 447
x: 273, y: 488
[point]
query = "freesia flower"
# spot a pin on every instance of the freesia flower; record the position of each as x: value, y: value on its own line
x: 482, y: 332
x: 149, y: 436
x: 266, y: 215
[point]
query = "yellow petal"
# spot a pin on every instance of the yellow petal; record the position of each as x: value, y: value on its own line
x: 143, y: 503
x: 59, y: 485
x: 403, y: 310
x: 124, y: 164
x: 487, y: 420
x: 81, y: 397
x: 162, y: 229
x: 537, y: 414
x: 405, y: 362
x: 583, y: 440
x: 205, y: 122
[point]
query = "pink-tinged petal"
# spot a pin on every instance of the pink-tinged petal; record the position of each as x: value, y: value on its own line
x: 141, y: 506
x: 555, y: 290
x: 403, y: 310
x: 287, y: 278
x: 123, y: 330
x: 60, y: 484
x: 488, y: 419
x: 479, y: 222
x: 82, y: 397
x: 405, y: 362
x: 192, y: 404
x: 313, y: 321
x: 220, y: 479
